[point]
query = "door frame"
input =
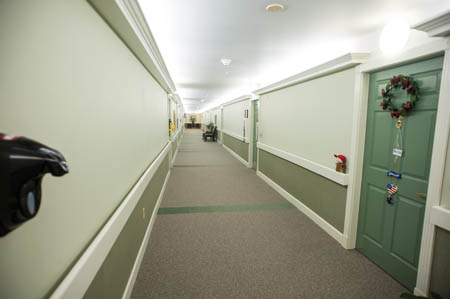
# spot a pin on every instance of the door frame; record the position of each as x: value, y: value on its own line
x: 251, y: 122
x: 360, y: 104
x: 221, y: 125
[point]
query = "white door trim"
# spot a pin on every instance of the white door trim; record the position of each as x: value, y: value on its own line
x: 421, y: 52
x: 251, y: 121
x: 251, y: 124
x: 435, y: 181
x: 356, y: 161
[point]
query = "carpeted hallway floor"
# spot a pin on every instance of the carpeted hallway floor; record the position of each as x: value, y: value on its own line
x: 221, y: 232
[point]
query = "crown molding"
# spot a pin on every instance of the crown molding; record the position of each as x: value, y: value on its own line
x: 438, y: 26
x: 236, y: 100
x: 338, y: 64
x: 125, y: 17
x: 240, y: 99
x: 176, y: 98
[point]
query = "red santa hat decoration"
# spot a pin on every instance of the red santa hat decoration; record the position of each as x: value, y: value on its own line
x: 340, y: 158
x: 340, y: 163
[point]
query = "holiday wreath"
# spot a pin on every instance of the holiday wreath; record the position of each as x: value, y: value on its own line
x: 406, y: 83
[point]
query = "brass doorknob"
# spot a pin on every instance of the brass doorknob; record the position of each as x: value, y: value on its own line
x: 423, y: 195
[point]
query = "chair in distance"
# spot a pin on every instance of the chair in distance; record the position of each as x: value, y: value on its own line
x: 211, y: 134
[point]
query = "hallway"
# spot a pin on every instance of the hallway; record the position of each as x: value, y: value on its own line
x: 330, y: 177
x: 221, y: 232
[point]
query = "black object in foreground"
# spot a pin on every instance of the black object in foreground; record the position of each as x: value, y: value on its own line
x: 23, y: 164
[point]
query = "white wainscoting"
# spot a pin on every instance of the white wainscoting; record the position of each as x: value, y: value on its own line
x: 331, y: 230
x: 239, y: 137
x: 140, y: 256
x: 440, y: 216
x: 78, y: 280
x: 331, y: 174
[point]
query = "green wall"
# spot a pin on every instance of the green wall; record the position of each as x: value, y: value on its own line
x: 324, y: 197
x: 68, y: 81
x: 236, y: 145
x: 440, y: 274
x: 289, y: 117
x: 112, y: 278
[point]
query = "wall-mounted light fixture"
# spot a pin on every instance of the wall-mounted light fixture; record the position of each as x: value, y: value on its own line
x: 394, y: 37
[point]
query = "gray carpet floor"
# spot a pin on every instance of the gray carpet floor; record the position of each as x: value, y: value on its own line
x: 224, y: 233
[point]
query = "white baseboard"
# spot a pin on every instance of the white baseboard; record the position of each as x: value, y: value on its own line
x: 331, y: 230
x: 236, y: 156
x: 77, y: 281
x: 140, y: 256
x: 419, y: 292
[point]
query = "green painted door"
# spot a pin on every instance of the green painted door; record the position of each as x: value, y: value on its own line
x: 390, y: 235
x: 255, y: 132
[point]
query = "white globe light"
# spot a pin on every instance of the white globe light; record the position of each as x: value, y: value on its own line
x: 394, y: 37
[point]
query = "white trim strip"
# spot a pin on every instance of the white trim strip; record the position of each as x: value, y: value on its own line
x: 338, y: 64
x: 331, y: 174
x: 440, y: 216
x: 231, y: 102
x: 236, y: 155
x: 140, y: 256
x: 239, y: 137
x: 133, y: 13
x: 331, y: 230
x: 77, y: 281
x: 237, y: 100
x: 436, y: 26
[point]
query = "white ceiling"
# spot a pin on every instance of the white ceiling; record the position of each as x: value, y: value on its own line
x: 193, y: 35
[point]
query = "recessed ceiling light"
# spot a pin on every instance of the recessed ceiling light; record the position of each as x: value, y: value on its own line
x: 226, y: 61
x: 275, y: 7
x: 202, y: 100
